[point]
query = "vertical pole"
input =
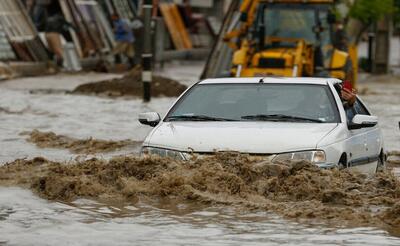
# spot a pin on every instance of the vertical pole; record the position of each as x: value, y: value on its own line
x: 383, y: 33
x: 155, y: 9
x: 159, y: 40
x: 147, y: 55
x: 371, y: 37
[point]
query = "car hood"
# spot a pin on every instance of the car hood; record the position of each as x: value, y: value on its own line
x: 245, y: 137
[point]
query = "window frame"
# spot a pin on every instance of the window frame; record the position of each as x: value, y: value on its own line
x: 355, y: 111
x: 362, y: 105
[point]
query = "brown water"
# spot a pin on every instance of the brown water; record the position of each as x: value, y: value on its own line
x: 297, y: 190
x: 29, y: 220
x: 78, y: 146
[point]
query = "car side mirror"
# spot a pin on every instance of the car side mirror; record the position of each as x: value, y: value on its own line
x: 151, y: 119
x: 363, y: 121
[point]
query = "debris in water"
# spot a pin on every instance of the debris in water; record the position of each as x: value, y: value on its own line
x: 78, y: 146
x: 131, y: 85
x: 393, y: 153
x: 9, y: 111
x: 393, y: 158
x: 392, y: 216
x: 295, y: 190
x: 6, y: 72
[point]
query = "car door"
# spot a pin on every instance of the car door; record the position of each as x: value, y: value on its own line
x: 373, y: 136
x: 357, y: 141
x: 364, y: 143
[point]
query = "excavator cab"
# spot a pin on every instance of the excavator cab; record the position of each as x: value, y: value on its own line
x: 284, y: 26
x: 288, y: 38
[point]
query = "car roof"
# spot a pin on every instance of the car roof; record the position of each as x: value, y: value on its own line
x: 272, y: 80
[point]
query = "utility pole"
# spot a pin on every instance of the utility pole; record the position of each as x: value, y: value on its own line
x: 147, y: 56
x: 371, y: 37
x: 383, y: 33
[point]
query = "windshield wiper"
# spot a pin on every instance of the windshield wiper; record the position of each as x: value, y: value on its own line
x: 277, y: 117
x: 196, y: 118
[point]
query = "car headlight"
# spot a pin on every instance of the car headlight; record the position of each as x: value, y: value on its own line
x: 146, y: 151
x: 315, y: 156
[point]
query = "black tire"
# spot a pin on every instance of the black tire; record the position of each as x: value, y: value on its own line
x: 381, y: 167
x: 341, y: 166
x: 342, y: 162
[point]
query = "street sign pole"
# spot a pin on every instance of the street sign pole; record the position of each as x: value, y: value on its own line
x: 147, y: 56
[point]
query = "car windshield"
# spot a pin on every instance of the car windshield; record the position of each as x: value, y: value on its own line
x: 256, y: 102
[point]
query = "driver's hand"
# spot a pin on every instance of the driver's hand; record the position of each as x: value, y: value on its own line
x: 348, y: 96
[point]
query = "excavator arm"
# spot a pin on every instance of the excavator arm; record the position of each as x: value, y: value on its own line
x: 247, y: 17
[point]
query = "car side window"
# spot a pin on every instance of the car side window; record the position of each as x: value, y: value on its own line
x: 360, y: 108
x: 357, y: 108
x: 350, y: 113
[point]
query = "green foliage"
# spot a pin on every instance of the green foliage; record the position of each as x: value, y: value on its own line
x: 370, y: 11
x: 337, y: 13
x: 396, y: 16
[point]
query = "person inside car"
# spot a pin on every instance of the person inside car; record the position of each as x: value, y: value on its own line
x: 348, y: 98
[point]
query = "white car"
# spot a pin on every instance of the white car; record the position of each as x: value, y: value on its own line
x: 279, y: 118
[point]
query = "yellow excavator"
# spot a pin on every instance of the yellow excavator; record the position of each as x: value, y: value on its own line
x: 282, y: 38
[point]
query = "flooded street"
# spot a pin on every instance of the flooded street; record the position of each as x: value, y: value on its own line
x: 29, y: 219
x: 26, y: 219
x: 71, y: 115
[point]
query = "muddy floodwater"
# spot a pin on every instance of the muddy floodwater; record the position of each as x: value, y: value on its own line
x: 43, y: 205
x: 26, y: 219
